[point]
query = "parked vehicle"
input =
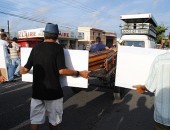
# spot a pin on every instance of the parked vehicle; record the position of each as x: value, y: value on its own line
x: 138, y: 30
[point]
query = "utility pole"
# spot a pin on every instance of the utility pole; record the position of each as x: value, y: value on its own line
x: 8, y: 28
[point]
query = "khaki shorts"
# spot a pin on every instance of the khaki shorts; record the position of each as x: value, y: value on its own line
x: 52, y: 108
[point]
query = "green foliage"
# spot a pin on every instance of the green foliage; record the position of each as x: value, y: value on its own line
x: 161, y: 29
x: 160, y: 33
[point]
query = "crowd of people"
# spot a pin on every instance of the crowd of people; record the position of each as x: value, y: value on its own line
x: 48, y: 62
x: 12, y: 57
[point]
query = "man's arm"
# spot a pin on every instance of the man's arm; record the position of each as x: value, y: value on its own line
x: 69, y: 72
x: 2, y: 78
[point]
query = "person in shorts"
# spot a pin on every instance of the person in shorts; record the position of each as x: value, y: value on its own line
x: 48, y: 62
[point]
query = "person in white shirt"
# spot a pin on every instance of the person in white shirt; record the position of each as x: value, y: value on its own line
x: 14, y: 49
x: 158, y: 83
x: 10, y: 67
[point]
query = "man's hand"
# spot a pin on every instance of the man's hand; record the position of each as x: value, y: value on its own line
x: 2, y: 79
x: 140, y: 88
x: 23, y: 70
x: 106, y: 48
x: 84, y: 74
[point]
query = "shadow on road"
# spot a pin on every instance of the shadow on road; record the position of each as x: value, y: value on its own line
x: 96, y: 109
x: 133, y: 112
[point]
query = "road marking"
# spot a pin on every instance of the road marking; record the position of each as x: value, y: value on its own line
x: 26, y: 86
x: 12, y: 84
x: 8, y: 85
x: 21, y: 125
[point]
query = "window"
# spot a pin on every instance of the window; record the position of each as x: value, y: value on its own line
x: 135, y: 43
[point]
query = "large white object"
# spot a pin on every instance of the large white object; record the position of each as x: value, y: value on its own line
x: 75, y: 59
x: 133, y: 65
x: 3, y: 67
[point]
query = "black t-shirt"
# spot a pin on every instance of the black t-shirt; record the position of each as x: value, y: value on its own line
x: 46, y: 59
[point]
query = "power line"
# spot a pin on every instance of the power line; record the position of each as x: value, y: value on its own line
x: 31, y: 19
x: 17, y: 11
x: 23, y: 17
x: 40, y: 19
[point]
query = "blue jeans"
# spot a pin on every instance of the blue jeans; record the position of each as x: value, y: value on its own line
x: 16, y: 62
x: 10, y: 69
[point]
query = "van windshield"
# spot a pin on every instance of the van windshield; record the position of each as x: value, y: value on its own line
x: 135, y: 43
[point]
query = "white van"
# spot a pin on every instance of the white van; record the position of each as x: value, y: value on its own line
x: 138, y: 30
x: 138, y: 41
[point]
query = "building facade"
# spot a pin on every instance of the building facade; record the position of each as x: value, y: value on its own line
x: 29, y: 38
x: 90, y: 34
x: 109, y: 38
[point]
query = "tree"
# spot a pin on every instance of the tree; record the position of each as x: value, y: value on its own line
x: 160, y: 33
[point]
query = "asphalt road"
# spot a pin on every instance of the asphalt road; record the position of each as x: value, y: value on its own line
x: 90, y: 109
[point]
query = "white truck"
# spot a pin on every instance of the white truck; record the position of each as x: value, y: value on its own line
x: 138, y: 30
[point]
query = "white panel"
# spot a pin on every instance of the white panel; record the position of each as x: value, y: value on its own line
x: 75, y: 59
x: 133, y: 65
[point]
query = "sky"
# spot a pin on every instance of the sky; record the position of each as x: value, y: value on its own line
x: 71, y: 14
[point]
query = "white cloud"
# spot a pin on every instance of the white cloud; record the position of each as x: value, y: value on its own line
x: 156, y: 2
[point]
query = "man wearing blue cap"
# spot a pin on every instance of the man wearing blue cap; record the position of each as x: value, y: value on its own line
x: 48, y: 62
